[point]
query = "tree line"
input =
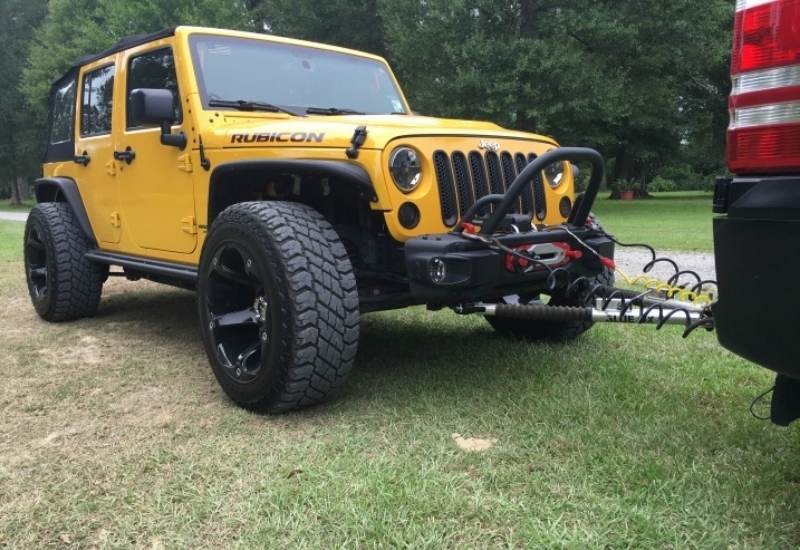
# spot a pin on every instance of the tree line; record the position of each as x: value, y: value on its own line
x: 643, y: 81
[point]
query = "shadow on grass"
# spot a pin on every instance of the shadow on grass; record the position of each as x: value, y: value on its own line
x: 403, y: 352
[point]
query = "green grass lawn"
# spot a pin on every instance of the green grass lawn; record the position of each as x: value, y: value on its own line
x: 669, y: 221
x: 6, y: 206
x: 115, y: 433
x: 11, y: 240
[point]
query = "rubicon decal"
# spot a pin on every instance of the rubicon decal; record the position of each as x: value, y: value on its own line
x: 280, y: 137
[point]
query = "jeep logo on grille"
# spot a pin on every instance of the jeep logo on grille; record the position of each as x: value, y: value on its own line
x: 489, y: 145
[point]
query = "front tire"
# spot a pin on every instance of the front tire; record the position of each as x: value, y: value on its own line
x: 62, y: 283
x: 278, y: 306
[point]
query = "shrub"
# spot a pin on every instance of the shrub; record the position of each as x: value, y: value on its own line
x: 661, y: 184
x: 680, y: 177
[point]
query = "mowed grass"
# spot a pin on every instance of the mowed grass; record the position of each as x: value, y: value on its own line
x: 6, y: 206
x: 115, y: 433
x: 11, y: 240
x: 668, y: 221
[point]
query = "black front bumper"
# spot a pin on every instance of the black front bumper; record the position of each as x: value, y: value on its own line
x: 757, y: 247
x: 474, y: 272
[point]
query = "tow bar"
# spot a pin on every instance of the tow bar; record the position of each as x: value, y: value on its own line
x: 618, y: 306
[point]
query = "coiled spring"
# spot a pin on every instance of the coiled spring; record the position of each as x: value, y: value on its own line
x: 659, y: 297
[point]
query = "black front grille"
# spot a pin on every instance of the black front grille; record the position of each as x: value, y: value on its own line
x: 463, y: 179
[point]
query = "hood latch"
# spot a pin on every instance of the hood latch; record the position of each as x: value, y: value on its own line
x: 358, y: 139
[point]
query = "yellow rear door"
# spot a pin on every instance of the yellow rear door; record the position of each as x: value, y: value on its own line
x: 96, y: 177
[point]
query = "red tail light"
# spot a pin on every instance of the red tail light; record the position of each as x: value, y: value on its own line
x: 764, y: 135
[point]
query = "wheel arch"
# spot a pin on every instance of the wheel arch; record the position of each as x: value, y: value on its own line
x: 225, y: 184
x: 62, y: 189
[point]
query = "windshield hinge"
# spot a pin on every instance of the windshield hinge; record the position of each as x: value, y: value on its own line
x: 358, y: 139
x: 204, y: 162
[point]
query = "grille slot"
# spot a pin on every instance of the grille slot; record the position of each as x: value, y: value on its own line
x: 479, y: 181
x: 447, y: 195
x: 527, y: 195
x: 495, y: 176
x: 509, y: 174
x: 463, y: 183
x: 462, y: 178
x: 539, y: 197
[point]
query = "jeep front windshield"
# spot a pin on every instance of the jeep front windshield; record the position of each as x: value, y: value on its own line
x: 294, y: 78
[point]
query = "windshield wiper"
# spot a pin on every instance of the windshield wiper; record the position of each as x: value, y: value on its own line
x: 245, y: 105
x: 331, y: 111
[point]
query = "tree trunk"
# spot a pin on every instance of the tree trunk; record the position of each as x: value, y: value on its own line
x: 620, y: 171
x: 15, y: 198
x: 527, y: 19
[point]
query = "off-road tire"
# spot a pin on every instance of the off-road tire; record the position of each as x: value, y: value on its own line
x: 544, y: 331
x: 311, y: 315
x: 55, y: 248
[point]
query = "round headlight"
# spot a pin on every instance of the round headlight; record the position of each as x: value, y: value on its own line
x: 406, y: 168
x: 555, y: 173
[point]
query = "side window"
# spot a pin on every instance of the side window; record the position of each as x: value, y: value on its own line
x: 96, y: 106
x: 62, y: 114
x: 154, y: 69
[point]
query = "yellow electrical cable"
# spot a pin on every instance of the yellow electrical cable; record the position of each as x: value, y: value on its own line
x: 670, y: 291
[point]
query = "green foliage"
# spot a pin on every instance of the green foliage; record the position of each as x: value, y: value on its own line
x: 681, y: 177
x: 20, y: 132
x: 645, y: 82
x: 638, y: 80
x: 349, y: 23
x: 75, y: 28
x: 626, y: 185
x: 662, y: 185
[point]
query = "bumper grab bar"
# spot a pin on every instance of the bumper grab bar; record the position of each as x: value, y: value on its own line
x: 506, y: 202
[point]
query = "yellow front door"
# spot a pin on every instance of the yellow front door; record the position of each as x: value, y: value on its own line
x: 156, y: 186
x: 94, y: 146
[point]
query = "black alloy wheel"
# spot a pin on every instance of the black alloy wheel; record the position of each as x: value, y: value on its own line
x: 238, y: 311
x: 36, y: 264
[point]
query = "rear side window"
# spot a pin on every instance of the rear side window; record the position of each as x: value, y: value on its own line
x: 97, y: 102
x: 62, y: 115
x: 154, y: 69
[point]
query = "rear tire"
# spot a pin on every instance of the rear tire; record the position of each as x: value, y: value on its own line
x: 62, y: 283
x: 544, y: 331
x: 278, y: 306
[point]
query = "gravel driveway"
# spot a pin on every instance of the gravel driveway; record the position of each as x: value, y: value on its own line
x: 632, y: 260
x: 14, y: 216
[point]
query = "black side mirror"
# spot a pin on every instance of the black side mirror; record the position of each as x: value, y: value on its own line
x: 156, y: 106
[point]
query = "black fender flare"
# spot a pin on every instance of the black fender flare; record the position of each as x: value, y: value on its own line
x: 61, y: 189
x: 348, y: 172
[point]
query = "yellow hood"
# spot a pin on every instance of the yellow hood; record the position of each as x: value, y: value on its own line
x: 259, y: 130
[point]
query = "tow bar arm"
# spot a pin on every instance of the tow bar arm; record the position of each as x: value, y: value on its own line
x: 626, y: 307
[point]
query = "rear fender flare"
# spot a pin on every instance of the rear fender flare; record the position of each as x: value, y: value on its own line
x: 61, y: 189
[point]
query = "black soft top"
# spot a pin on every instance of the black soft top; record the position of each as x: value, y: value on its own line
x: 122, y: 44
x: 65, y: 150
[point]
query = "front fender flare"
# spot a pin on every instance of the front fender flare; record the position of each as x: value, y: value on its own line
x: 351, y: 173
x: 61, y: 189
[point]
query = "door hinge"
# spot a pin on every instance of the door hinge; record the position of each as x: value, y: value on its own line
x: 185, y: 163
x: 115, y: 220
x: 111, y: 168
x: 189, y: 225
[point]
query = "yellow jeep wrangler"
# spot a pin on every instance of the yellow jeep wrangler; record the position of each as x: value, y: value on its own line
x: 292, y: 187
